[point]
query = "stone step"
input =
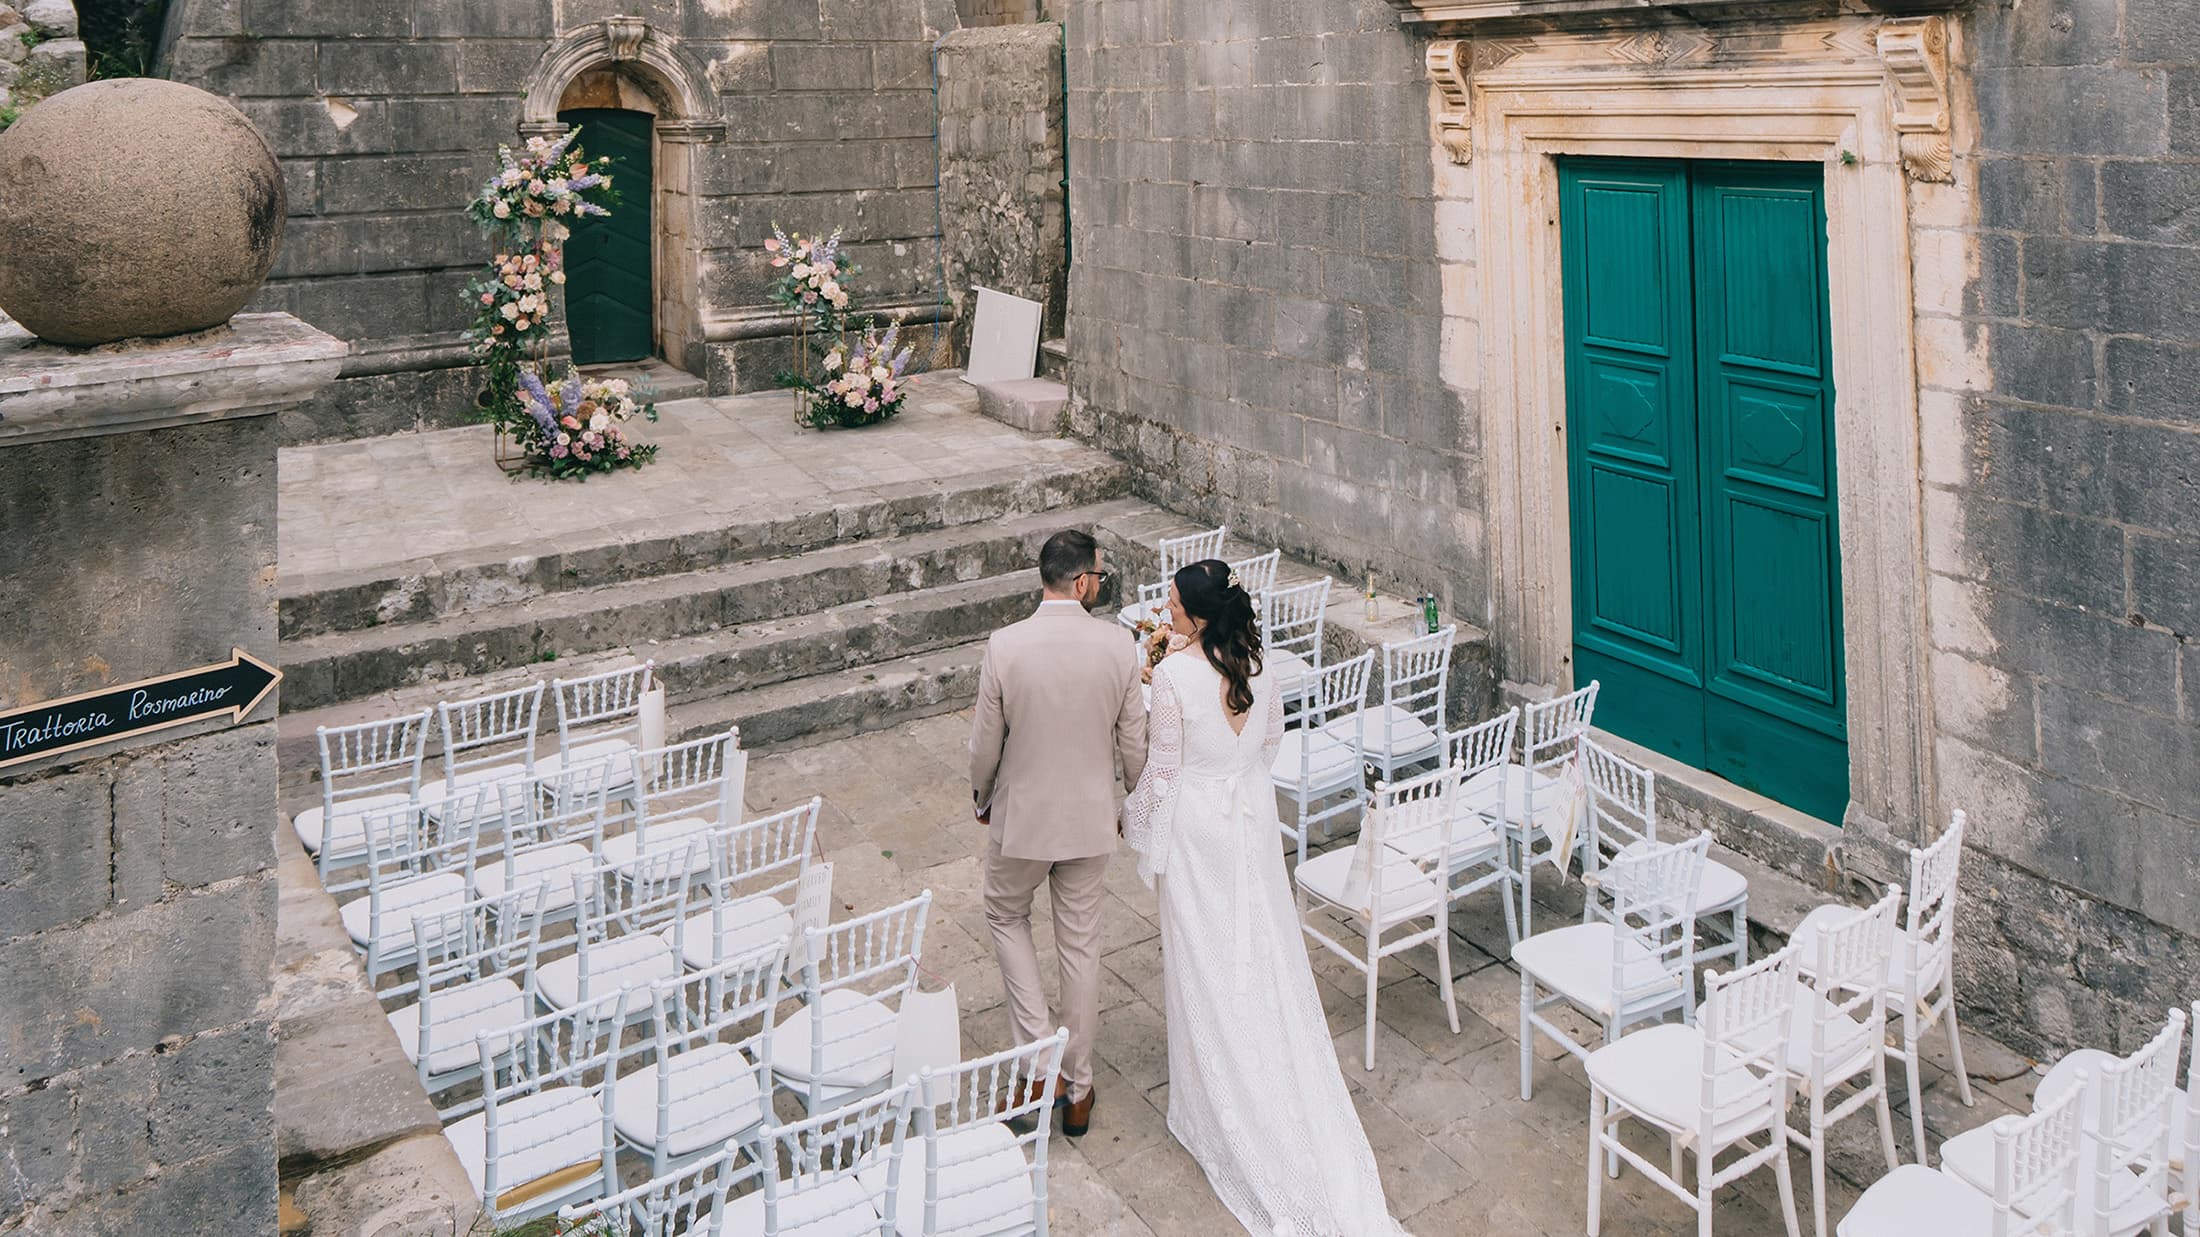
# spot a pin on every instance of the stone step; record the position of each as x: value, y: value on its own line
x: 1034, y: 405
x: 321, y: 602
x: 651, y: 376
x: 841, y: 703
x: 789, y: 651
x: 329, y: 668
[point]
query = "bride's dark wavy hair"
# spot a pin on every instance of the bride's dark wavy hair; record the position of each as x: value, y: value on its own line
x: 1231, y: 636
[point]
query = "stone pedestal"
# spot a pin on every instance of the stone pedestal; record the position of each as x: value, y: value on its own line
x: 137, y: 877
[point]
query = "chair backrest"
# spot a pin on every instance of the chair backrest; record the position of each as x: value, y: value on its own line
x: 482, y: 731
x: 808, y: 1159
x: 1339, y: 690
x: 2132, y: 1134
x: 1653, y: 913
x: 1016, y: 1085
x: 371, y: 758
x: 631, y: 898
x: 765, y: 857
x: 1408, y: 805
x: 1548, y: 729
x: 2036, y: 1165
x: 688, y: 1200
x: 576, y: 1047
x: 1416, y: 674
x: 1257, y: 575
x: 1291, y: 619
x: 459, y: 953
x: 1745, y: 1039
x: 875, y: 955
x: 1178, y: 553
x: 1848, y: 973
x: 402, y: 844
x: 566, y: 807
x: 602, y: 706
x: 725, y: 1008
x: 1483, y: 747
x: 1623, y: 800
x: 1930, y: 930
x: 701, y: 779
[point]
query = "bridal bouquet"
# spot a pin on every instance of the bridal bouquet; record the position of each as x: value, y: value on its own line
x: 1158, y: 640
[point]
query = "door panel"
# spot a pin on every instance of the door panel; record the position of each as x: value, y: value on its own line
x: 1699, y: 409
x: 609, y: 298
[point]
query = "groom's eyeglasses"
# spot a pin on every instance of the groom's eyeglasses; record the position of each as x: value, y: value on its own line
x: 1102, y: 576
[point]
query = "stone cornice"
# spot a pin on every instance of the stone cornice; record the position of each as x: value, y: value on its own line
x: 1469, y: 16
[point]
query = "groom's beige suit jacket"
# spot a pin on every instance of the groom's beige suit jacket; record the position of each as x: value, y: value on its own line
x: 1058, y: 707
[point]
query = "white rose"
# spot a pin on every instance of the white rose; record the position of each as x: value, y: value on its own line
x: 502, y: 210
x: 509, y: 311
x: 801, y: 270
x: 557, y: 277
x: 833, y: 359
x: 600, y: 422
x: 534, y: 283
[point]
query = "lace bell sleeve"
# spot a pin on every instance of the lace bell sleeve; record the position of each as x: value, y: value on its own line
x: 1150, y: 813
x: 1272, y: 738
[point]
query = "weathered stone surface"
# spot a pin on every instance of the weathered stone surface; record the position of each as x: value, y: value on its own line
x: 1003, y: 193
x: 116, y: 187
x: 54, y: 19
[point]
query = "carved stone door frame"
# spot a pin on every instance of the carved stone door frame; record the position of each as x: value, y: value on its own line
x: 1863, y: 96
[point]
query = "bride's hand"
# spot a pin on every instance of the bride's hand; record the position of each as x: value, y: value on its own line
x: 1145, y: 673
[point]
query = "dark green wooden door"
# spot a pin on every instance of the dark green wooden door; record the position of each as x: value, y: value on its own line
x: 609, y: 303
x: 1699, y: 388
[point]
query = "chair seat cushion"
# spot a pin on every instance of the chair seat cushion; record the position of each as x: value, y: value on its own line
x: 402, y: 900
x: 618, y: 751
x: 984, y: 1184
x: 745, y: 926
x: 1514, y: 792
x: 626, y: 963
x: 537, y: 1134
x: 483, y: 775
x: 1472, y: 842
x: 1135, y: 613
x: 1657, y: 1074
x: 714, y: 1097
x: 1390, y: 731
x: 839, y: 1208
x: 1969, y: 1157
x: 457, y: 1014
x: 1406, y: 892
x: 663, y: 835
x: 350, y: 835
x: 1287, y: 670
x: 1576, y: 962
x: 1914, y: 1201
x: 1329, y: 761
x: 1849, y: 1049
x: 1805, y: 941
x: 555, y: 866
x: 859, y: 1040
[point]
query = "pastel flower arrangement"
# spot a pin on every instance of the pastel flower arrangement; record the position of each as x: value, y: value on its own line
x: 818, y: 275
x: 512, y: 305
x: 1158, y: 640
x: 862, y: 382
x: 548, y: 180
x: 576, y: 427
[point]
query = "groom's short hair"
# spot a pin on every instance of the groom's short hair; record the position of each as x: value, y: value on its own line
x: 1065, y: 555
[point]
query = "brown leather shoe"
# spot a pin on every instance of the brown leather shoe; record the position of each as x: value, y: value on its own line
x: 1022, y: 1095
x: 1078, y: 1118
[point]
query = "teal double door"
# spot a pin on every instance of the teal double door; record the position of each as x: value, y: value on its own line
x: 1700, y: 454
x: 610, y: 307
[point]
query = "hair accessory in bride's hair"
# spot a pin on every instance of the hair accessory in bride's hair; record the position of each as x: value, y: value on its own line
x: 1234, y: 581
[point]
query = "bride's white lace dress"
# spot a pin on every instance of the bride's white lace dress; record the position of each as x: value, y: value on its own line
x: 1255, y: 1093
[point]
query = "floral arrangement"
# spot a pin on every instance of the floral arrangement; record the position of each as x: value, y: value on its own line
x: 527, y: 206
x: 574, y: 428
x: 861, y: 383
x: 816, y: 285
x: 1158, y: 640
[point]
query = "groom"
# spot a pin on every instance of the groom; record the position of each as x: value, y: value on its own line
x: 1058, y: 705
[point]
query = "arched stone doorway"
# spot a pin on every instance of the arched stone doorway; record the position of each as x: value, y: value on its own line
x: 647, y: 103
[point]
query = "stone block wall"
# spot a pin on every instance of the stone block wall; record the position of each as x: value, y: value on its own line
x: 386, y: 118
x: 1008, y: 12
x: 1001, y: 172
x: 2062, y: 495
x: 40, y: 53
x: 1257, y: 319
x: 137, y: 886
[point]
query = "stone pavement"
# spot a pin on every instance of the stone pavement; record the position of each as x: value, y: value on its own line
x: 371, y: 505
x: 1459, y: 1151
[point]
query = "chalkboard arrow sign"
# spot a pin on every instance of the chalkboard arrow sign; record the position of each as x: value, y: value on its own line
x: 235, y: 687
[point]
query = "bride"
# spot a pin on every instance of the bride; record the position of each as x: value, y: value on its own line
x: 1255, y: 1093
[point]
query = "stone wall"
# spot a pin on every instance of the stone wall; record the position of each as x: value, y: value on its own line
x: 386, y: 118
x: 1001, y: 173
x: 1257, y: 318
x: 1009, y: 12
x: 2062, y: 492
x: 137, y: 881
x: 40, y: 54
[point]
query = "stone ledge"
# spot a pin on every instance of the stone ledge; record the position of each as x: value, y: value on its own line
x: 256, y: 365
x: 1033, y: 405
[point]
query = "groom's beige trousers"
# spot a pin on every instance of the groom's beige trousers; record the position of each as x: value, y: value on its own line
x: 1076, y: 888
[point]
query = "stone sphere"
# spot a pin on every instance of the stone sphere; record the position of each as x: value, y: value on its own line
x: 134, y: 207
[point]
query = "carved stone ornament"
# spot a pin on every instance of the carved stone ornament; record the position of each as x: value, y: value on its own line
x: 625, y: 35
x: 1915, y: 51
x: 1447, y: 67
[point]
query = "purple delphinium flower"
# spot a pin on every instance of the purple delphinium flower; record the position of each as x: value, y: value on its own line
x: 537, y: 400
